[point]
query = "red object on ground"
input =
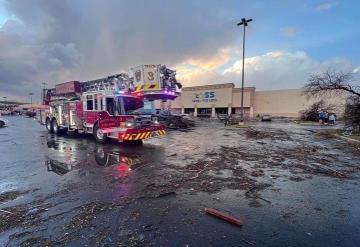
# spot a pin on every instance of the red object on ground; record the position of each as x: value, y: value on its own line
x: 223, y: 216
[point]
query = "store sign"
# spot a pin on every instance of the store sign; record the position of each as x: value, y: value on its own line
x: 207, y: 96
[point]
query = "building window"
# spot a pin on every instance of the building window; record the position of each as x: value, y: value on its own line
x: 89, y: 102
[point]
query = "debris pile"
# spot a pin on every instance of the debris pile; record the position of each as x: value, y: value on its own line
x: 270, y: 134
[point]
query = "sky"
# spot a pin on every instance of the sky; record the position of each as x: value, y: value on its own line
x: 56, y: 41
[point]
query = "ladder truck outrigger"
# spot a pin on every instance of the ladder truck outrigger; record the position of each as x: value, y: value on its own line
x: 111, y: 107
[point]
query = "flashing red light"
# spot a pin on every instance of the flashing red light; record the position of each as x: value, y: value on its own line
x: 123, y: 169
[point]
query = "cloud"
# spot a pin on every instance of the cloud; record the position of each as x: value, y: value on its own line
x: 272, y: 70
x: 214, y: 62
x: 289, y: 31
x: 56, y: 41
x: 194, y: 76
x: 325, y: 6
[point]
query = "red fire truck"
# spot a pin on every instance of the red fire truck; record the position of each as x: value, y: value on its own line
x: 112, y: 107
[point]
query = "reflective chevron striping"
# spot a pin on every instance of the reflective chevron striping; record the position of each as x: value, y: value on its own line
x: 138, y: 136
x: 143, y: 135
x: 147, y: 87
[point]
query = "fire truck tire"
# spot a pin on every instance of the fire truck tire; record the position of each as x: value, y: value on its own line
x: 55, y: 126
x: 134, y: 143
x: 100, y: 137
x: 49, y: 125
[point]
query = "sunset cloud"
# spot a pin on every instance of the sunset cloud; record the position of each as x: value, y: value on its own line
x: 272, y: 70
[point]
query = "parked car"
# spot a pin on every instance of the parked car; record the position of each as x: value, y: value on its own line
x: 3, y: 122
x: 266, y: 118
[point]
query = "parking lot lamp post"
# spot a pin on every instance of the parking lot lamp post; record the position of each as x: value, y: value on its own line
x: 31, y: 94
x: 244, y: 22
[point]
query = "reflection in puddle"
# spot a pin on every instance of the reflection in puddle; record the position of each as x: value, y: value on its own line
x: 121, y: 162
x: 57, y: 167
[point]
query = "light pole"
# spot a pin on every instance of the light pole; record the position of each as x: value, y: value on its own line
x: 243, y: 22
x: 31, y: 94
x: 43, y: 94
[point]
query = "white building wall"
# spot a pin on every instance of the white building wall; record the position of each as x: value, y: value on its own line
x: 286, y: 103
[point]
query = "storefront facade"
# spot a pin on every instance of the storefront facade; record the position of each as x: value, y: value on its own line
x: 212, y: 100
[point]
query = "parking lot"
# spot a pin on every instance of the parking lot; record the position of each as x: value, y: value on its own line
x: 290, y: 185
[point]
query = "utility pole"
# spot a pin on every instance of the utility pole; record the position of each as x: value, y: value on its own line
x: 244, y: 23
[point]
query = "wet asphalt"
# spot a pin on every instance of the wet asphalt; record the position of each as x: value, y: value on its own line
x: 75, y: 192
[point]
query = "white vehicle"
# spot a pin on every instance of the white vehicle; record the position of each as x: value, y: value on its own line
x: 3, y: 122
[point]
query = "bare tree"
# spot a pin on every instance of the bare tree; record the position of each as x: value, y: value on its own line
x: 331, y: 82
x: 352, y: 113
x: 312, y: 112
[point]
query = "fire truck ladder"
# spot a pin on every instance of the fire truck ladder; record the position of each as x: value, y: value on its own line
x: 118, y: 82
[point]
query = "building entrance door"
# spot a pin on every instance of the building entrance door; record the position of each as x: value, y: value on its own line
x: 204, y: 112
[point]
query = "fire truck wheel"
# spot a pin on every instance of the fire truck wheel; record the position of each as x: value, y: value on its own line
x: 55, y: 126
x: 49, y: 126
x: 134, y: 143
x: 99, y: 135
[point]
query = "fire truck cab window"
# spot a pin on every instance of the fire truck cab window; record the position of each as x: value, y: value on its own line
x: 110, y: 106
x: 89, y: 103
x: 96, y: 103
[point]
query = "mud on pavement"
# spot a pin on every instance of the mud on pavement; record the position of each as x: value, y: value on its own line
x: 70, y: 191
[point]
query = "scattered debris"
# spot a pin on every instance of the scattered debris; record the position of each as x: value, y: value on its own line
x: 268, y: 133
x: 328, y: 170
x: 170, y: 193
x: 223, y: 216
x: 32, y: 211
x: 11, y: 195
x: 148, y: 228
x: 1, y: 210
x: 248, y: 242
